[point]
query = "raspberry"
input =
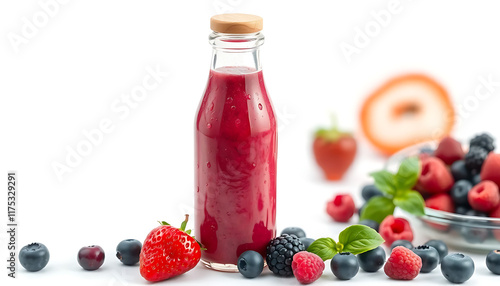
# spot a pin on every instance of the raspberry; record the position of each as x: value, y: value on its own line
x: 403, y: 264
x: 490, y: 168
x: 449, y: 150
x: 307, y: 267
x: 435, y: 177
x: 392, y: 229
x: 474, y: 159
x: 484, y: 141
x: 484, y: 197
x: 441, y: 202
x: 341, y: 208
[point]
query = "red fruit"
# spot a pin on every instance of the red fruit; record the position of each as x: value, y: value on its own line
x: 491, y: 168
x: 341, y: 208
x: 403, y: 264
x: 441, y: 202
x: 307, y: 267
x: 484, y: 197
x: 392, y: 229
x: 449, y: 150
x: 435, y: 177
x: 495, y: 213
x: 334, y: 152
x: 168, y: 252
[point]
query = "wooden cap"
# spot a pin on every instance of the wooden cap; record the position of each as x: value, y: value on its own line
x: 236, y: 23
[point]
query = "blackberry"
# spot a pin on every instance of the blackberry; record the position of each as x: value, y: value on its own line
x: 484, y: 141
x: 474, y: 159
x: 280, y: 252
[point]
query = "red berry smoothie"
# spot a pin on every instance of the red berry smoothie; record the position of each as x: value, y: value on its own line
x: 235, y: 172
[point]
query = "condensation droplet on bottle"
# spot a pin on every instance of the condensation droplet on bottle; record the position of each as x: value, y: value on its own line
x: 248, y: 96
x: 197, y: 165
x: 254, y: 165
x: 237, y: 122
x: 209, y: 125
x: 265, y: 181
x: 211, y: 106
x: 229, y: 100
x: 233, y: 107
x: 206, y: 185
x: 209, y: 165
x: 260, y: 106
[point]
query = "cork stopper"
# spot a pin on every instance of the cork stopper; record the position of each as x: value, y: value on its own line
x: 236, y: 23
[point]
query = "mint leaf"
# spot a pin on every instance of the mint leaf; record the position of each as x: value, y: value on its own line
x: 377, y: 208
x: 410, y: 201
x: 325, y: 248
x: 357, y: 239
x: 408, y: 173
x: 385, y: 182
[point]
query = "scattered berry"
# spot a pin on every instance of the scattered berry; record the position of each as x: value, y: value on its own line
x: 429, y: 256
x: 307, y: 267
x: 370, y: 223
x: 403, y: 264
x: 457, y: 268
x: 168, y: 252
x: 128, y: 251
x: 370, y: 191
x: 484, y: 197
x: 441, y: 202
x: 459, y: 171
x: 440, y: 246
x: 341, y: 208
x: 474, y: 159
x: 434, y: 177
x: 372, y: 260
x: 449, y: 150
x: 280, y: 252
x: 250, y: 264
x: 484, y: 141
x: 401, y: 242
x: 294, y: 230
x: 34, y: 256
x: 306, y: 242
x: 493, y: 261
x: 392, y: 229
x: 459, y: 192
x: 91, y: 257
x: 344, y: 265
x: 490, y: 169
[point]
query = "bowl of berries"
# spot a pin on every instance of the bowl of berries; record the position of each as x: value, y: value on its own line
x: 460, y: 185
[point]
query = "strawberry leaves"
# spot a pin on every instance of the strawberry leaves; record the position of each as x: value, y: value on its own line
x: 397, y: 189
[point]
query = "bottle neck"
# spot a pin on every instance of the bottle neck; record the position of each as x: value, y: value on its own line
x: 236, y: 53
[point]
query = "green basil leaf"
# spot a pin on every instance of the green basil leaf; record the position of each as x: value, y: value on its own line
x: 410, y: 201
x: 377, y: 208
x: 357, y: 239
x: 385, y: 182
x: 408, y: 173
x: 325, y: 248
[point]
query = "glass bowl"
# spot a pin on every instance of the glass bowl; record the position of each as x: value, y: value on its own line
x: 473, y: 233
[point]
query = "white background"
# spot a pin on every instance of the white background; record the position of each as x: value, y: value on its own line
x: 63, y: 79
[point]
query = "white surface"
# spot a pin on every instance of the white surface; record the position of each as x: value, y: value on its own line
x: 65, y: 79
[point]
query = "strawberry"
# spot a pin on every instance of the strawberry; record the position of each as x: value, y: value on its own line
x: 168, y: 252
x: 449, y: 150
x: 491, y: 167
x: 334, y: 151
x: 435, y: 178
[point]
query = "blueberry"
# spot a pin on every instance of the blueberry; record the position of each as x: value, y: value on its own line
x: 306, y: 242
x: 493, y: 261
x: 370, y: 223
x: 344, y: 265
x: 91, y: 257
x: 476, y: 179
x: 128, y: 251
x: 402, y: 242
x: 459, y: 171
x: 429, y: 256
x: 472, y: 212
x: 440, y: 246
x: 372, y: 260
x: 34, y: 256
x: 360, y: 210
x: 370, y: 191
x: 474, y: 235
x: 294, y: 230
x: 457, y: 268
x: 250, y: 264
x: 459, y: 192
x: 427, y: 150
x: 462, y: 209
